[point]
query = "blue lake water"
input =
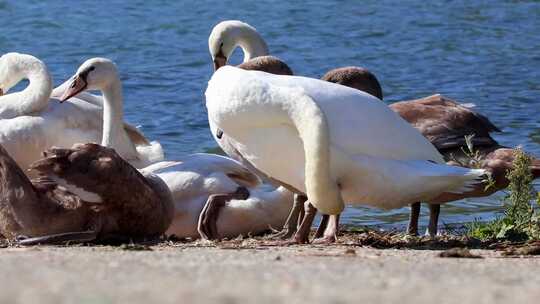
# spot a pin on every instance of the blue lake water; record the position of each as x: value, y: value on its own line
x: 482, y: 52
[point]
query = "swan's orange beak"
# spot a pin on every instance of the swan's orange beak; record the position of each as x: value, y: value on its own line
x: 220, y: 60
x: 77, y: 85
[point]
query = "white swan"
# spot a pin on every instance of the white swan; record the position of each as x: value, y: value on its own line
x: 199, y: 177
x: 114, y: 135
x: 30, y: 122
x: 201, y: 181
x: 334, y: 143
x: 227, y: 35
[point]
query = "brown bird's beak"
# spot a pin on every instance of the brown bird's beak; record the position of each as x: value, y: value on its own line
x: 77, y: 85
x: 220, y: 60
x: 1, y: 92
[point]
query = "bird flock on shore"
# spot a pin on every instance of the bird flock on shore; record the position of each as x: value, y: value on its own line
x: 72, y: 170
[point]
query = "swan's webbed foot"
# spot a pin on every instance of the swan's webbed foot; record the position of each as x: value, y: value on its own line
x: 58, y: 239
x: 434, y: 212
x: 302, y: 235
x: 207, y: 224
x: 293, y: 220
x: 328, y: 230
x: 412, y: 229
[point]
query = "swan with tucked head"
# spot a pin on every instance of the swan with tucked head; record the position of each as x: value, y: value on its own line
x: 101, y: 74
x: 67, y: 204
x: 226, y: 36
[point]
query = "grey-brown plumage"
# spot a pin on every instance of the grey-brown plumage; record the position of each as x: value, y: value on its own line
x: 355, y: 77
x: 268, y: 64
x: 445, y: 123
x: 88, y: 188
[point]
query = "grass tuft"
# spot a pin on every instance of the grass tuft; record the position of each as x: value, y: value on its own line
x: 520, y: 221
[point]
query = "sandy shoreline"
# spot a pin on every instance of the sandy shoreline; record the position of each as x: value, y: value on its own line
x: 220, y: 273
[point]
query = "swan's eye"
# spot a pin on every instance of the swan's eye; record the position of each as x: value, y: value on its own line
x: 221, y: 45
x: 91, y: 68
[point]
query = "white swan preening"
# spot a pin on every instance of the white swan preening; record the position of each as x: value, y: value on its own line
x: 228, y: 35
x: 200, y: 181
x: 31, y: 122
x: 341, y: 145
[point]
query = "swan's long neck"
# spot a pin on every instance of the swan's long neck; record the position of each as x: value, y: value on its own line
x: 252, y: 44
x: 321, y: 188
x: 114, y: 135
x: 34, y: 98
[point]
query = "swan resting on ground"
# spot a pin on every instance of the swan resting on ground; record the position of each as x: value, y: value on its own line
x: 214, y: 196
x: 31, y: 122
x: 230, y: 200
x: 384, y: 162
x: 85, y: 193
x: 445, y: 123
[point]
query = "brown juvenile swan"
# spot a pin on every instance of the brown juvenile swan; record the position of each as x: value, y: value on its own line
x: 84, y: 193
x: 445, y: 123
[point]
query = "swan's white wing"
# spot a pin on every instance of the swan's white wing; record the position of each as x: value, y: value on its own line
x: 26, y: 137
x: 215, y: 173
x: 210, y: 163
x: 358, y: 122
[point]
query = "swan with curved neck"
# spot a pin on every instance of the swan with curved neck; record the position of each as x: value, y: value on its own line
x: 31, y: 122
x: 101, y: 74
x: 15, y: 67
x: 226, y: 36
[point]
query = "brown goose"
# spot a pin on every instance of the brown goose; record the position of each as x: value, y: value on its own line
x: 84, y: 193
x: 445, y: 123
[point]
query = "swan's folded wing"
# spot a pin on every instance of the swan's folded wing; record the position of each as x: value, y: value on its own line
x: 445, y: 122
x: 56, y: 193
x: 137, y: 205
x: 96, y: 174
x: 232, y: 168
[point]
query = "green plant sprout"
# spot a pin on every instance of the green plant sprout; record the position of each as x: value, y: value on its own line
x: 520, y: 221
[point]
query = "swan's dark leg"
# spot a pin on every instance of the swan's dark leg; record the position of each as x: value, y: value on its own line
x: 302, y: 235
x: 60, y: 238
x: 302, y: 207
x: 322, y: 226
x: 207, y: 225
x: 412, y: 229
x: 434, y: 211
x: 293, y: 220
x: 330, y: 232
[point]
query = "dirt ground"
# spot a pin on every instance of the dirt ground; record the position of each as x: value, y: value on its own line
x: 392, y: 269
